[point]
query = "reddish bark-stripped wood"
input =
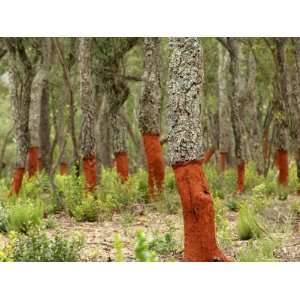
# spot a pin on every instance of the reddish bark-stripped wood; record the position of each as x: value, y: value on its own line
x: 122, y: 165
x: 89, y: 171
x: 33, y: 161
x: 199, y: 229
x: 63, y: 169
x: 222, y: 161
x: 155, y: 162
x: 240, y: 177
x: 283, y: 167
x: 17, y: 181
x: 208, y: 155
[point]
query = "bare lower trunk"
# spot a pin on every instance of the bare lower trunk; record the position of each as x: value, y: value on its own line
x: 185, y: 150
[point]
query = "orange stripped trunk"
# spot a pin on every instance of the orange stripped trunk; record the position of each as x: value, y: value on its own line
x: 240, y: 177
x: 17, y: 181
x: 63, y: 168
x: 199, y: 218
x: 33, y: 161
x: 223, y: 158
x: 208, y: 155
x: 155, y: 162
x: 89, y: 170
x: 121, y: 159
x: 283, y: 167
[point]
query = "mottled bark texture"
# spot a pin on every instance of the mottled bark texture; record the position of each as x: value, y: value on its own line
x: 223, y: 107
x: 185, y: 147
x: 235, y: 77
x: 20, y: 80
x: 149, y: 114
x: 61, y: 131
x: 117, y: 93
x: 296, y: 98
x: 88, y: 114
x: 254, y: 124
x: 280, y: 98
x: 185, y: 81
x: 34, y: 121
x: 44, y: 124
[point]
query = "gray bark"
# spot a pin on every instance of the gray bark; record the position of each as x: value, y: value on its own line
x: 184, y: 86
x: 20, y: 81
x: 150, y: 100
x: 223, y: 101
x: 87, y: 99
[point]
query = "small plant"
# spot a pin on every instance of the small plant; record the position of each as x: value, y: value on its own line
x: 259, y: 251
x: 86, y: 210
x: 167, y: 203
x: 247, y: 224
x: 118, y: 245
x: 142, y: 251
x: 164, y: 244
x: 24, y: 216
x: 37, y: 247
x: 282, y: 193
x: 3, y: 219
x: 233, y: 205
x: 295, y: 208
x: 50, y: 223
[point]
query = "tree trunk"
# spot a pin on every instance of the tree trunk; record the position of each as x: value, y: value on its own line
x: 61, y: 134
x: 223, y: 108
x: 254, y: 127
x: 281, y: 96
x: 149, y: 115
x: 297, y: 109
x: 88, y: 115
x: 44, y: 124
x: 119, y: 144
x: 34, y: 122
x: 186, y: 150
x: 235, y: 111
x: 21, y: 77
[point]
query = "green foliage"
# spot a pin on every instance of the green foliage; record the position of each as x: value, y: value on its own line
x: 86, y: 210
x: 118, y: 245
x: 3, y: 218
x: 259, y: 198
x: 142, y: 249
x: 223, y: 230
x: 167, y: 202
x: 37, y: 247
x: 164, y: 244
x: 259, y: 251
x: 247, y: 224
x: 233, y: 204
x: 25, y: 215
x: 295, y: 208
x: 170, y: 182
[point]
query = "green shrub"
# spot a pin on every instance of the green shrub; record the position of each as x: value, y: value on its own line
x: 86, y: 210
x: 3, y: 218
x: 167, y: 202
x: 164, y: 244
x: 247, y: 224
x: 233, y: 205
x: 118, y: 245
x: 170, y: 182
x: 37, y: 247
x: 25, y: 215
x: 142, y: 250
x: 259, y: 251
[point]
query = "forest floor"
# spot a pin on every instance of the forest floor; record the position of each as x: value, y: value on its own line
x: 100, y: 236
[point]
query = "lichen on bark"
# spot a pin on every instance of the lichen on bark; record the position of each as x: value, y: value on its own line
x: 87, y: 100
x: 184, y: 86
x: 150, y: 100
